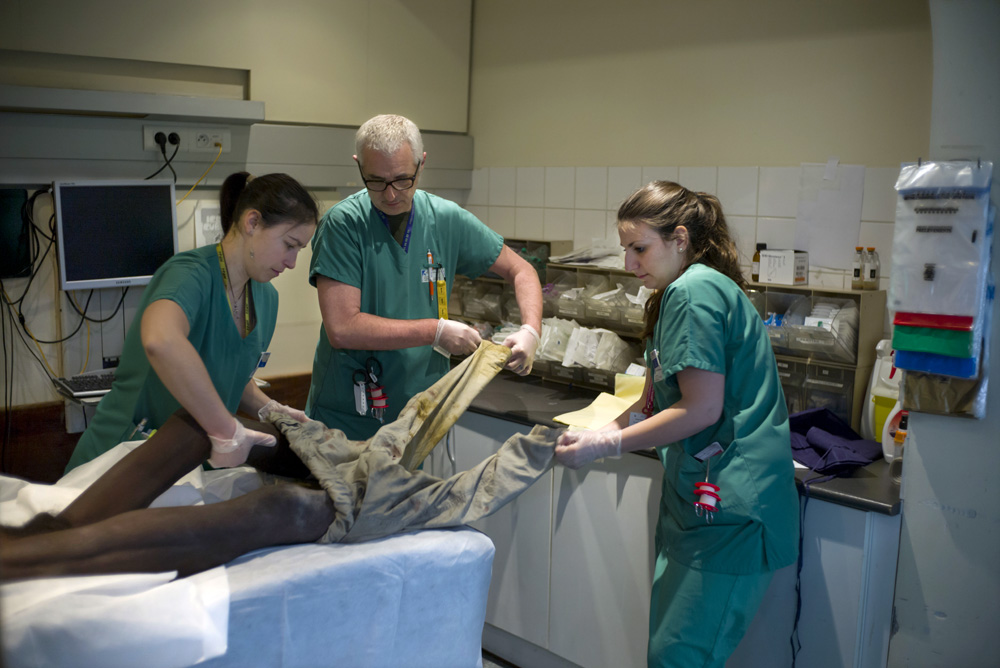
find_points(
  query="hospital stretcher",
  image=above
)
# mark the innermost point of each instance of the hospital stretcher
(413, 599)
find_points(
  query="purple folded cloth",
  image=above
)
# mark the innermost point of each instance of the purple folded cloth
(826, 444)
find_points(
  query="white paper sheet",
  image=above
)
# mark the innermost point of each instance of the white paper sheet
(829, 212)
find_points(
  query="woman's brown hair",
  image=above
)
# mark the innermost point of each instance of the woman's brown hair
(663, 205)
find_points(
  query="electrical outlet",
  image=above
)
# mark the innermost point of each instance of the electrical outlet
(149, 134)
(193, 140)
(209, 140)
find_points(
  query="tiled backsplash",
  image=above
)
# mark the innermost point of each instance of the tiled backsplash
(580, 203)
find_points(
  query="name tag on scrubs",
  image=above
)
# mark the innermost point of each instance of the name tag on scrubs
(264, 357)
(635, 418)
(432, 275)
(657, 370)
(709, 452)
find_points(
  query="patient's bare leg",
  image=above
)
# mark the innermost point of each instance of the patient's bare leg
(176, 448)
(187, 539)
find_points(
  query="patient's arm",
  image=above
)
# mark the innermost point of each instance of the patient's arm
(176, 448)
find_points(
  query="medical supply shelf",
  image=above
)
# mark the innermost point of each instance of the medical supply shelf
(819, 367)
(492, 300)
(815, 369)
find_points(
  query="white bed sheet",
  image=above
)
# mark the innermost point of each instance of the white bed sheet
(416, 599)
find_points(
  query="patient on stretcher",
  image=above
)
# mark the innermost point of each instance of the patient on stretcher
(352, 490)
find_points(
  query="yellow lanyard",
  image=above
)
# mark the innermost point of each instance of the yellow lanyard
(225, 283)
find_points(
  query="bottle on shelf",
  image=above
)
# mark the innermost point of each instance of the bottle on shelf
(872, 269)
(755, 270)
(858, 267)
(898, 445)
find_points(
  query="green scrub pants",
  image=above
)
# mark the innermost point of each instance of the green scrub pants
(697, 618)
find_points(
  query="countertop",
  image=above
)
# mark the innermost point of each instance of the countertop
(532, 400)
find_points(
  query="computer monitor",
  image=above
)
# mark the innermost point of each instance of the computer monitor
(113, 234)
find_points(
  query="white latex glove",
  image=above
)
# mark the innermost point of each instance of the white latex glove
(276, 407)
(455, 338)
(578, 448)
(523, 343)
(228, 452)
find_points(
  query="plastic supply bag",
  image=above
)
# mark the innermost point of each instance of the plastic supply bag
(554, 339)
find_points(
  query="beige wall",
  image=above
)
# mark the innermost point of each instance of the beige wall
(719, 82)
(333, 62)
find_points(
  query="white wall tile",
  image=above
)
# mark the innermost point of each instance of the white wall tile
(660, 174)
(744, 231)
(502, 180)
(531, 186)
(880, 236)
(480, 212)
(738, 190)
(612, 240)
(529, 223)
(779, 192)
(622, 182)
(456, 195)
(700, 179)
(558, 224)
(777, 233)
(879, 200)
(559, 187)
(611, 227)
(591, 188)
(502, 221)
(479, 195)
(588, 225)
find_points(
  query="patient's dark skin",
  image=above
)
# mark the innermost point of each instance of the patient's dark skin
(109, 528)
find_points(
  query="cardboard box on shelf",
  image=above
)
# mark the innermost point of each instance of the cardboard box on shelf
(785, 267)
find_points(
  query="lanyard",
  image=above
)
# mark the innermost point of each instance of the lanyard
(409, 226)
(225, 285)
(648, 408)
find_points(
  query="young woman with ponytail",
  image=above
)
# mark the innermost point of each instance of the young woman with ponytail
(714, 411)
(203, 323)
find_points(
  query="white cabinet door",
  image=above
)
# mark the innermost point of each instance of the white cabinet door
(602, 560)
(519, 592)
(848, 578)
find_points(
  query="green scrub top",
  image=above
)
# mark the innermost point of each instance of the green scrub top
(707, 322)
(353, 245)
(192, 279)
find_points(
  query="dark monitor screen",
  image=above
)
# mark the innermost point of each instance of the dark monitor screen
(113, 233)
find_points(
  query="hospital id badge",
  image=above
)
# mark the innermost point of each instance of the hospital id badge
(635, 418)
(657, 369)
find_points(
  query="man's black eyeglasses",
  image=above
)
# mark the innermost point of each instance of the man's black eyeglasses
(377, 185)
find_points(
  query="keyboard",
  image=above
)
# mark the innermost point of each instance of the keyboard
(85, 384)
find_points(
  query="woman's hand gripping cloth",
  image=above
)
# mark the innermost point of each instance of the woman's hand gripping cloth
(374, 487)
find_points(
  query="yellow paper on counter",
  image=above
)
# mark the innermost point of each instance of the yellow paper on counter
(606, 407)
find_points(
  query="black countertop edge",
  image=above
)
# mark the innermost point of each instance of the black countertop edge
(869, 488)
(532, 400)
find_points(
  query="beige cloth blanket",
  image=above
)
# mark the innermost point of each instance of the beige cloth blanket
(374, 487)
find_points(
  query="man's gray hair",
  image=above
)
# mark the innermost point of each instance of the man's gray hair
(386, 134)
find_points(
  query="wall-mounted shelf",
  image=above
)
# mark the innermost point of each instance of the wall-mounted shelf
(32, 99)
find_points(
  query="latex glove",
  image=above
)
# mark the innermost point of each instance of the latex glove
(578, 448)
(455, 338)
(276, 407)
(523, 343)
(228, 452)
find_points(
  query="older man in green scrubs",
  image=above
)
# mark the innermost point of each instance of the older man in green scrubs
(371, 256)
